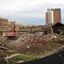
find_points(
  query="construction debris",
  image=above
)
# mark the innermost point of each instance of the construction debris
(36, 44)
(3, 48)
(2, 38)
(36, 41)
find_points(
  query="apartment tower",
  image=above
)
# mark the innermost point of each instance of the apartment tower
(53, 16)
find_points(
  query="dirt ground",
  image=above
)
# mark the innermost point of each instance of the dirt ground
(34, 44)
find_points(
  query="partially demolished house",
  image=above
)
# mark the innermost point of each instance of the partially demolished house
(57, 28)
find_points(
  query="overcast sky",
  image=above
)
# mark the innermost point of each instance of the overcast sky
(29, 11)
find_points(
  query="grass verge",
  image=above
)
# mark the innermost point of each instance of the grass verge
(24, 57)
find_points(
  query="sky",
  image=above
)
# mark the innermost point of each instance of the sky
(26, 12)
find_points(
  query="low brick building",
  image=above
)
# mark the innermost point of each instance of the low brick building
(31, 29)
(3, 25)
(57, 28)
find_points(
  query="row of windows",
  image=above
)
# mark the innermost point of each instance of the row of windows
(3, 28)
(2, 24)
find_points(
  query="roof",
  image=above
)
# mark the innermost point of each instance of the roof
(51, 25)
(58, 24)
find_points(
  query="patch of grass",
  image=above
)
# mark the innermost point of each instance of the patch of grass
(26, 57)
(59, 36)
(19, 35)
(11, 59)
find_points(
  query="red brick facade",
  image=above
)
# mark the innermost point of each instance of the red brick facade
(56, 17)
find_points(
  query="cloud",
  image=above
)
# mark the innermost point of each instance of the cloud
(11, 7)
(38, 11)
(56, 2)
(14, 9)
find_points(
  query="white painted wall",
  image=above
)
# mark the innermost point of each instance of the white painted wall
(50, 16)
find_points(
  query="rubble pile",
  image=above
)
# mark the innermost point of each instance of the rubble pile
(28, 40)
(2, 38)
(34, 40)
(2, 60)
